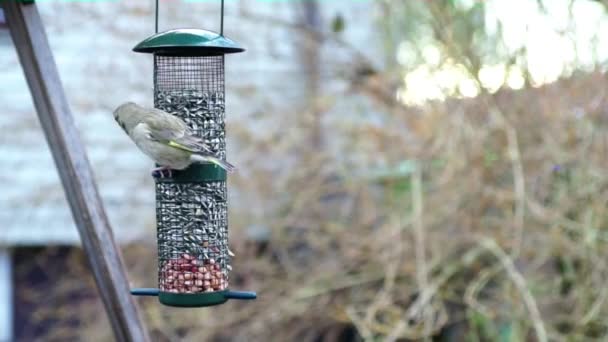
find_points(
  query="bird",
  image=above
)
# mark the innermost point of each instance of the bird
(165, 138)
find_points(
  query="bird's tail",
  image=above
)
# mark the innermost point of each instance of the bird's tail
(221, 163)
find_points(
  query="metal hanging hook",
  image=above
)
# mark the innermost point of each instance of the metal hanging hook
(221, 19)
(156, 18)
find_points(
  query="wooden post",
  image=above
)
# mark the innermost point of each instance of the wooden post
(68, 151)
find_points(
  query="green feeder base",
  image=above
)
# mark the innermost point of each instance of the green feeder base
(192, 300)
(195, 300)
(204, 172)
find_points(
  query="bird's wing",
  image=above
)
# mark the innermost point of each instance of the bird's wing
(173, 131)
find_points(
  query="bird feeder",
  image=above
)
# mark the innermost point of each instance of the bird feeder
(192, 204)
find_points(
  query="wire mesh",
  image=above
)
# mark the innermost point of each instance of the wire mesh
(193, 89)
(192, 222)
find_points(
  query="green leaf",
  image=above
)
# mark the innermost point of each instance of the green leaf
(338, 24)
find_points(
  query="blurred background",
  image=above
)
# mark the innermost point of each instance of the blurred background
(409, 170)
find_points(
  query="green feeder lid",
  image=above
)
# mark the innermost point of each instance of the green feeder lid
(188, 42)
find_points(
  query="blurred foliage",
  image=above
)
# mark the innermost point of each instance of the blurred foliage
(470, 35)
(338, 24)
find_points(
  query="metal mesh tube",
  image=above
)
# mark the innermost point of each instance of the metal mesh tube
(193, 89)
(192, 222)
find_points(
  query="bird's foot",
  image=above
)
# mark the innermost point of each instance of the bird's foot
(162, 172)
